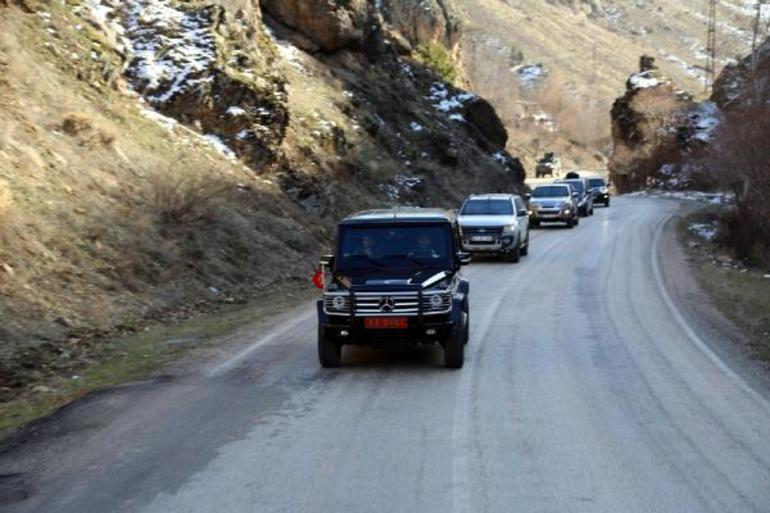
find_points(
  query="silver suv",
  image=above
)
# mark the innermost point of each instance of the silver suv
(554, 203)
(495, 224)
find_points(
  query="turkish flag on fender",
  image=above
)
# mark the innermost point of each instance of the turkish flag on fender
(318, 278)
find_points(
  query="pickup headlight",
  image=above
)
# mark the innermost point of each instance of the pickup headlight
(511, 228)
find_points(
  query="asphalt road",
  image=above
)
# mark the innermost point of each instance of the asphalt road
(586, 389)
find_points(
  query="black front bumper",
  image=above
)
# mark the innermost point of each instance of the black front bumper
(430, 330)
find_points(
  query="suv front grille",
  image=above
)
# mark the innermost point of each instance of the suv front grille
(379, 304)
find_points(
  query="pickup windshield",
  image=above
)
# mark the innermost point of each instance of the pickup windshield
(489, 207)
(551, 191)
(395, 247)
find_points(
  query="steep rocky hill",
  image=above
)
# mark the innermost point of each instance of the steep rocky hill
(552, 69)
(160, 156)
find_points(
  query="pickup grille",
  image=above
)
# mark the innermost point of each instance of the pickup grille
(482, 230)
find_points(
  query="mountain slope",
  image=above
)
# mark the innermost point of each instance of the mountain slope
(516, 50)
(160, 157)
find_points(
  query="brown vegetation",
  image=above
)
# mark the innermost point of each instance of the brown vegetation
(740, 163)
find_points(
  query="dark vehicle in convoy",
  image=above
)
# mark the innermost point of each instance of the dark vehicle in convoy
(585, 198)
(549, 165)
(495, 224)
(554, 203)
(395, 278)
(600, 190)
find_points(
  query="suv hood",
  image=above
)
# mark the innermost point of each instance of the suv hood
(395, 279)
(486, 220)
(555, 199)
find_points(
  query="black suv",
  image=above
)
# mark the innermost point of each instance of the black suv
(395, 278)
(600, 190)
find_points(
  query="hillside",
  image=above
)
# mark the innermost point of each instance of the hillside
(159, 158)
(563, 62)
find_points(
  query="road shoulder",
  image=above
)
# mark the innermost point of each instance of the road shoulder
(683, 281)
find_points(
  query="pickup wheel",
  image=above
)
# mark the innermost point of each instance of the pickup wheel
(454, 349)
(329, 350)
(571, 223)
(515, 255)
(525, 248)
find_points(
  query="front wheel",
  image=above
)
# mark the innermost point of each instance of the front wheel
(454, 349)
(329, 350)
(571, 223)
(515, 255)
(607, 204)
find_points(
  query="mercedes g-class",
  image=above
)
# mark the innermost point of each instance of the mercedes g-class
(394, 278)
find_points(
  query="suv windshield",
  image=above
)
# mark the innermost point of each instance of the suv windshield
(395, 247)
(551, 191)
(596, 182)
(487, 207)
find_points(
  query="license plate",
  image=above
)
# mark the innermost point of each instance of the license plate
(483, 238)
(386, 323)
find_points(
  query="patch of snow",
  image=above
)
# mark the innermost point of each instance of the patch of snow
(172, 49)
(235, 111)
(164, 121)
(713, 198)
(529, 75)
(243, 134)
(447, 103)
(219, 144)
(643, 80)
(500, 158)
(706, 119)
(416, 127)
(706, 231)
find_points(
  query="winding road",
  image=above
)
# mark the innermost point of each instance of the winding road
(587, 388)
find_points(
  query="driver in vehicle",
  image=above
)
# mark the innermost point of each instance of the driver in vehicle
(425, 248)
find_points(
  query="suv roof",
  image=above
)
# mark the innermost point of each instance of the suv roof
(491, 196)
(402, 214)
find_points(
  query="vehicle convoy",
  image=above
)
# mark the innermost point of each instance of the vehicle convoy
(495, 224)
(600, 190)
(395, 278)
(549, 165)
(554, 203)
(585, 198)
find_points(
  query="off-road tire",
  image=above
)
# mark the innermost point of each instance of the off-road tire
(329, 351)
(454, 349)
(571, 224)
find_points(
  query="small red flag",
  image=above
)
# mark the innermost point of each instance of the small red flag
(318, 278)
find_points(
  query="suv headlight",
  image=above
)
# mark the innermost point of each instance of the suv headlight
(509, 228)
(337, 303)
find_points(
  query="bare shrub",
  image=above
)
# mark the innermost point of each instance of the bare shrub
(740, 163)
(181, 200)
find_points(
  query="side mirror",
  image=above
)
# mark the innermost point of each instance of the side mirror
(574, 194)
(521, 213)
(464, 258)
(327, 261)
(527, 196)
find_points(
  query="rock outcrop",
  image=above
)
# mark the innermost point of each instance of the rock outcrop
(650, 126)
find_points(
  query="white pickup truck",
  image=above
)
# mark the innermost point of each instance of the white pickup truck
(494, 224)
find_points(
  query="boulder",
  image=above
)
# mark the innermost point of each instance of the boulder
(483, 117)
(331, 24)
